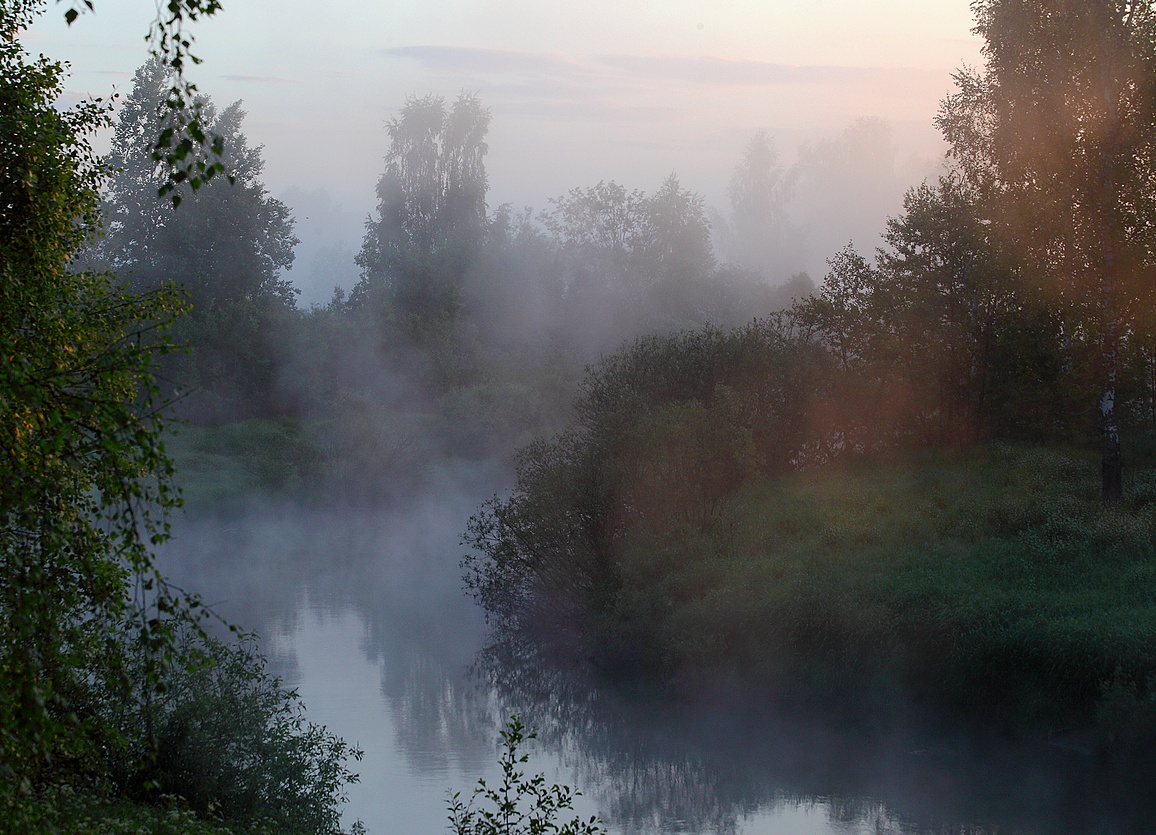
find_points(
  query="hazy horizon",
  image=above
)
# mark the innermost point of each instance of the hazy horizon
(608, 91)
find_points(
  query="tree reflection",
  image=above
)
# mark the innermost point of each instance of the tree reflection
(652, 760)
(723, 761)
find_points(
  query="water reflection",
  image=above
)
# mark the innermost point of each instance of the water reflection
(363, 611)
(724, 762)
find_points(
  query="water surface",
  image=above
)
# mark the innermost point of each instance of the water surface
(363, 611)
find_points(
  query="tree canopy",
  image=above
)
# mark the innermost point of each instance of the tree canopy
(1058, 136)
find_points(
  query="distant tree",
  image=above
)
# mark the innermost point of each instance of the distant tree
(515, 289)
(758, 236)
(598, 230)
(633, 262)
(675, 241)
(1060, 131)
(431, 212)
(225, 247)
(937, 331)
(625, 242)
(844, 316)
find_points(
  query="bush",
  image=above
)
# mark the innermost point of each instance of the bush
(666, 430)
(520, 806)
(234, 744)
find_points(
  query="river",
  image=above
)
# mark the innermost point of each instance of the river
(363, 612)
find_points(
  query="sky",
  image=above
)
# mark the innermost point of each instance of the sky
(628, 90)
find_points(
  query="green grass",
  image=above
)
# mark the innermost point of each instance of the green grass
(217, 464)
(362, 455)
(989, 580)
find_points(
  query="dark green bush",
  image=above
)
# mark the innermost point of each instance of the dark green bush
(234, 744)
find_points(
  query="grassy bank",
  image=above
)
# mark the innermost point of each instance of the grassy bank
(993, 581)
(361, 454)
(360, 457)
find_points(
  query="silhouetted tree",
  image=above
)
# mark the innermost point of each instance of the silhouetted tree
(431, 212)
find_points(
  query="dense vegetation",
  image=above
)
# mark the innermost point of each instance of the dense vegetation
(111, 691)
(889, 482)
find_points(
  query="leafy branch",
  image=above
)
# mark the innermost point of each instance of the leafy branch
(189, 153)
(520, 805)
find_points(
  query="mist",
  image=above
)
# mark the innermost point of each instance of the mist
(677, 380)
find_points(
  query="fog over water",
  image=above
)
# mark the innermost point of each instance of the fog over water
(357, 593)
(363, 611)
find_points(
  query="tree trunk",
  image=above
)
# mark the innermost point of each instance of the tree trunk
(1112, 460)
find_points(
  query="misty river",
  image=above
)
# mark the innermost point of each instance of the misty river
(363, 612)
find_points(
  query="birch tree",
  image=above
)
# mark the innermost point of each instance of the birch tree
(1059, 133)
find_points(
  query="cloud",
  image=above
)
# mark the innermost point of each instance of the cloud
(709, 70)
(496, 61)
(261, 79)
(742, 72)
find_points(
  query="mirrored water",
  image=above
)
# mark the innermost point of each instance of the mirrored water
(363, 612)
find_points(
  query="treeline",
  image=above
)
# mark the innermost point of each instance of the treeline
(484, 317)
(1009, 303)
(939, 343)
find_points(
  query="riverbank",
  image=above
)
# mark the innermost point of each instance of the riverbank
(993, 583)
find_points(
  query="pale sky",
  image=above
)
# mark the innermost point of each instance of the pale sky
(628, 90)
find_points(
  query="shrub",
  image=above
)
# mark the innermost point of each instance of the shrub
(234, 743)
(520, 805)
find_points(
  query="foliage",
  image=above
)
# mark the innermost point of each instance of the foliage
(619, 241)
(99, 655)
(519, 806)
(1057, 136)
(182, 143)
(938, 332)
(84, 480)
(63, 808)
(234, 744)
(225, 248)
